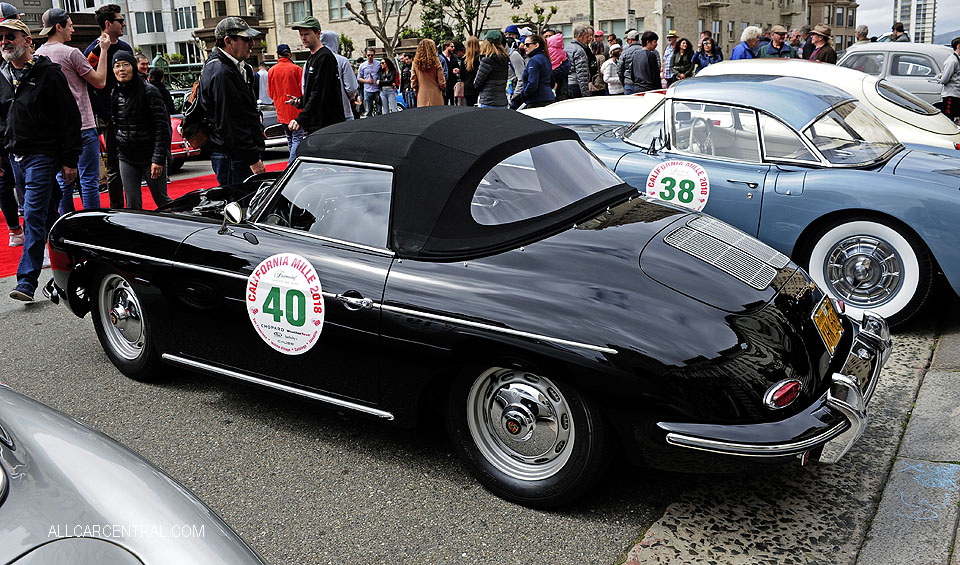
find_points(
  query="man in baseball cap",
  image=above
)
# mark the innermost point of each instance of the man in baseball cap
(778, 46)
(233, 26)
(45, 142)
(8, 10)
(228, 94)
(321, 104)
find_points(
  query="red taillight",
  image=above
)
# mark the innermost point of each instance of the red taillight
(957, 145)
(59, 261)
(782, 394)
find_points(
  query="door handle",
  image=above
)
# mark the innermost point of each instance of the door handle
(750, 184)
(355, 303)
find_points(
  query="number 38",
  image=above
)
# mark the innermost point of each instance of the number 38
(685, 194)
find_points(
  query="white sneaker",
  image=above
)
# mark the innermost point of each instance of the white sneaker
(46, 258)
(16, 239)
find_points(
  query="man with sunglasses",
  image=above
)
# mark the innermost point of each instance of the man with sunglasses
(228, 92)
(41, 143)
(778, 48)
(112, 25)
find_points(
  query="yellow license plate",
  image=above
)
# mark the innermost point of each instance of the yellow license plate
(828, 323)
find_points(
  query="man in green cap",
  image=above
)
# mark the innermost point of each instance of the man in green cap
(321, 103)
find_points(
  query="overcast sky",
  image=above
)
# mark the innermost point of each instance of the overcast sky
(878, 16)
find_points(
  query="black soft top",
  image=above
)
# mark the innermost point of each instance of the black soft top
(439, 155)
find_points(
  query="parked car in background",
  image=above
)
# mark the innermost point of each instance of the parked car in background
(521, 295)
(914, 67)
(70, 494)
(912, 120)
(813, 173)
(272, 131)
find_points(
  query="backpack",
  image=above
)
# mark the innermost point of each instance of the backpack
(195, 125)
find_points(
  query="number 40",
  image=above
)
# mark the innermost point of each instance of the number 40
(296, 306)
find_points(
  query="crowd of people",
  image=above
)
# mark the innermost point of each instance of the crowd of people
(107, 90)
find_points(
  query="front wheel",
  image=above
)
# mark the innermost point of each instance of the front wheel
(525, 437)
(122, 327)
(873, 266)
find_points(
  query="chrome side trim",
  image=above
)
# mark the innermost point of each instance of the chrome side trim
(168, 262)
(497, 329)
(277, 386)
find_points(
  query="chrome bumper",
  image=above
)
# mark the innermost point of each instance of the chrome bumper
(850, 391)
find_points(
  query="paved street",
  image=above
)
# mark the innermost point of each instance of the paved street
(304, 483)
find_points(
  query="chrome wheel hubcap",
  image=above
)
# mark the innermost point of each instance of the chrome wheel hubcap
(520, 422)
(864, 271)
(121, 317)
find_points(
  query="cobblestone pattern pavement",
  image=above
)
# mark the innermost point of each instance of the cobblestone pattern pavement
(813, 514)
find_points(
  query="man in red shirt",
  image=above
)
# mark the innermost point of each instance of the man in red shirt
(284, 83)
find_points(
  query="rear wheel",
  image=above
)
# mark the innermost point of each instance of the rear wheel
(872, 265)
(527, 438)
(122, 327)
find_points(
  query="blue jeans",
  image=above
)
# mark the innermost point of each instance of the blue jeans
(388, 99)
(489, 106)
(409, 99)
(630, 89)
(370, 102)
(229, 171)
(293, 141)
(89, 177)
(38, 175)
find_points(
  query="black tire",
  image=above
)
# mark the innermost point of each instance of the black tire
(872, 264)
(565, 448)
(122, 327)
(177, 164)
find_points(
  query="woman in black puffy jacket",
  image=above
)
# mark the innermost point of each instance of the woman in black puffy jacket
(491, 79)
(143, 132)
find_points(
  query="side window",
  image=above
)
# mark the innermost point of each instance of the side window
(649, 128)
(337, 201)
(870, 63)
(780, 142)
(913, 66)
(715, 130)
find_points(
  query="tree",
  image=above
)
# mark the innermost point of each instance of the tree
(538, 22)
(431, 20)
(470, 15)
(385, 18)
(346, 46)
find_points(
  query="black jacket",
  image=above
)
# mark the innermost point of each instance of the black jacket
(40, 117)
(230, 103)
(142, 122)
(386, 78)
(322, 103)
(491, 80)
(167, 97)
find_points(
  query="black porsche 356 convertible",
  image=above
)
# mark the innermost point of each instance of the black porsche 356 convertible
(485, 268)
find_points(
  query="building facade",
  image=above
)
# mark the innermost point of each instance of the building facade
(153, 26)
(918, 17)
(840, 15)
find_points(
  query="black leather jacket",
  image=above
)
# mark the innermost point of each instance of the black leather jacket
(142, 122)
(231, 106)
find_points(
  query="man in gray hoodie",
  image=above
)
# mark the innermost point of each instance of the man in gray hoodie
(348, 80)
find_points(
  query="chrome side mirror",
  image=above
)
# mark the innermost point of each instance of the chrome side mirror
(232, 213)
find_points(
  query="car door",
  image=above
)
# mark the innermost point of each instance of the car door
(294, 295)
(710, 162)
(916, 73)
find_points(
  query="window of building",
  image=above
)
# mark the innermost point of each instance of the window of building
(616, 27)
(743, 26)
(187, 17)
(293, 12)
(219, 8)
(669, 24)
(826, 14)
(145, 22)
(716, 28)
(730, 30)
(701, 24)
(207, 12)
(851, 16)
(338, 10)
(158, 18)
(190, 52)
(839, 19)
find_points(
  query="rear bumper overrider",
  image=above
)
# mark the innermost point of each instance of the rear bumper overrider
(834, 422)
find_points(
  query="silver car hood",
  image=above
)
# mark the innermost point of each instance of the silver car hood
(66, 480)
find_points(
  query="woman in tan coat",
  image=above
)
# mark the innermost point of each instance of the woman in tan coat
(427, 78)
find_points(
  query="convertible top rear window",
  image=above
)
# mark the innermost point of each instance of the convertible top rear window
(537, 181)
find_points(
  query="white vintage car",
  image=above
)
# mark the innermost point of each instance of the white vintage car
(912, 120)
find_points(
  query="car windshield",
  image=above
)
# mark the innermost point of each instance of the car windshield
(850, 135)
(904, 99)
(539, 180)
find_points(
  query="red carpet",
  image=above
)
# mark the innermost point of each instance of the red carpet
(10, 256)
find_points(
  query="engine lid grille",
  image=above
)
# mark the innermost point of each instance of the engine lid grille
(729, 249)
